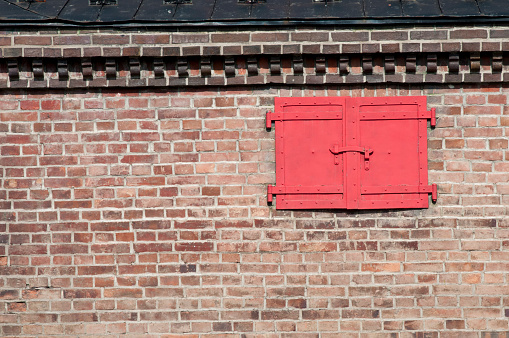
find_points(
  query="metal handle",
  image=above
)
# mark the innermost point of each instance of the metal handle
(336, 150)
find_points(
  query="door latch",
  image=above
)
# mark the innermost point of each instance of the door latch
(336, 150)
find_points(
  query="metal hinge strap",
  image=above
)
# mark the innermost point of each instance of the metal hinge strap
(388, 115)
(302, 190)
(402, 189)
(270, 116)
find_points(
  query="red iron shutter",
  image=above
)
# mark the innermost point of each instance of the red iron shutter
(308, 175)
(353, 153)
(396, 129)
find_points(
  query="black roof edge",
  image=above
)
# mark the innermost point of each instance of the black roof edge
(465, 20)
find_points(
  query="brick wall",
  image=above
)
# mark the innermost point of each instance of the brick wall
(143, 212)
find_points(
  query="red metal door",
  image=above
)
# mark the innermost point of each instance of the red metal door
(309, 160)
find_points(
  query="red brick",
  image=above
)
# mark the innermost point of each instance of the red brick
(17, 307)
(21, 117)
(29, 105)
(9, 294)
(50, 105)
(382, 267)
(95, 270)
(194, 246)
(317, 247)
(476, 110)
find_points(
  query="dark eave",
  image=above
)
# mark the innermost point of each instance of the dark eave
(232, 13)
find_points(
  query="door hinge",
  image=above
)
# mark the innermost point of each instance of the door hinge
(269, 193)
(268, 120)
(433, 117)
(431, 189)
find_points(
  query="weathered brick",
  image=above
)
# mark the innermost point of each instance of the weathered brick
(310, 36)
(151, 39)
(389, 35)
(110, 39)
(229, 38)
(72, 40)
(350, 36)
(429, 35)
(190, 38)
(468, 34)
(32, 40)
(270, 37)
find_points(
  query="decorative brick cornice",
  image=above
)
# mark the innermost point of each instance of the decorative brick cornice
(109, 58)
(470, 67)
